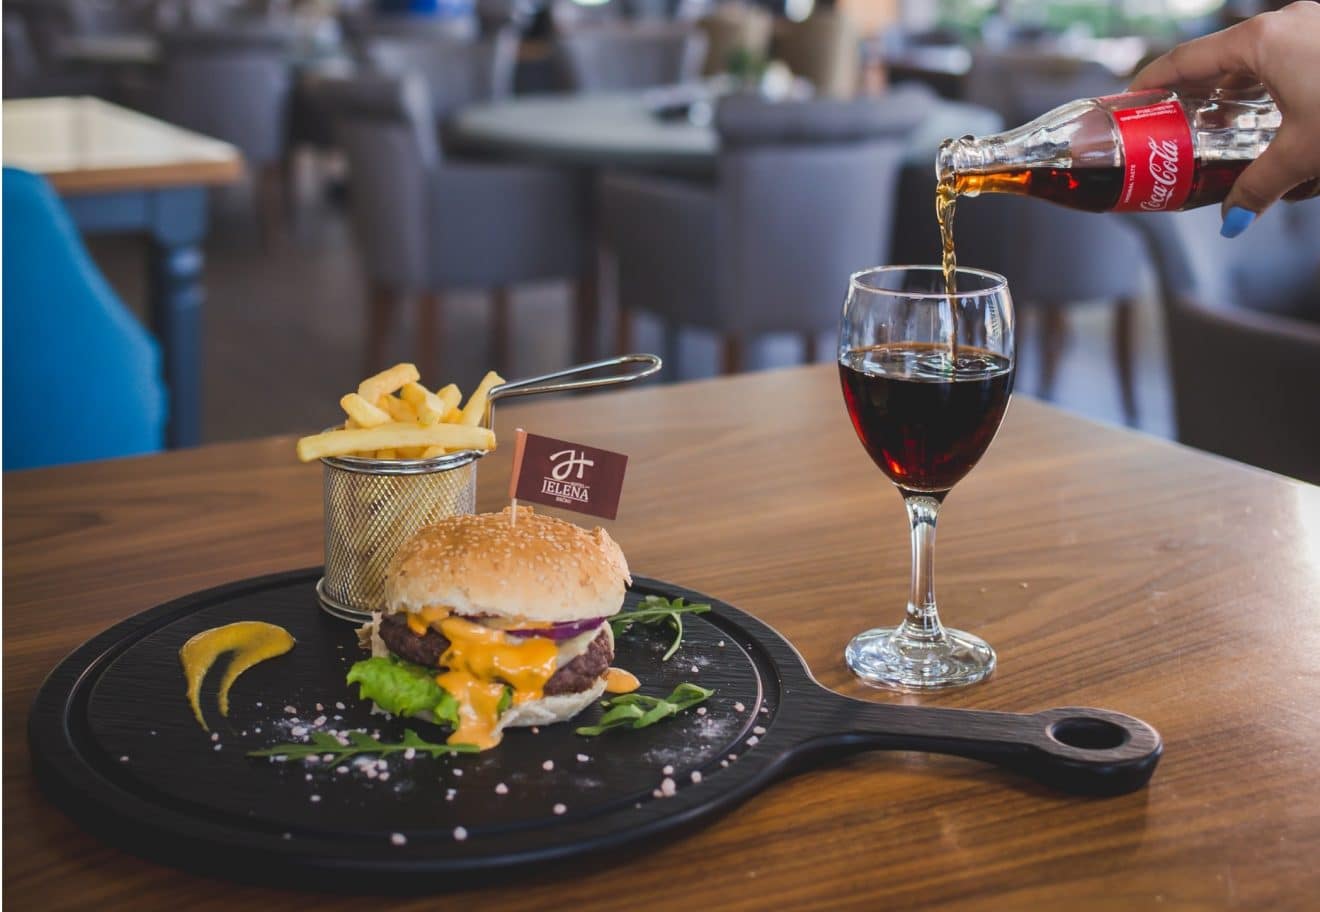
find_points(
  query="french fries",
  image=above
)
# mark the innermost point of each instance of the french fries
(475, 410)
(362, 413)
(392, 437)
(388, 381)
(393, 416)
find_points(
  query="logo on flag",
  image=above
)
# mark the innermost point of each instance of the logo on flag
(558, 473)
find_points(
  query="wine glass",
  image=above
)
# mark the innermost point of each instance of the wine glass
(927, 377)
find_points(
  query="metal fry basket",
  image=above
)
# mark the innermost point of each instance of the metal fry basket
(373, 505)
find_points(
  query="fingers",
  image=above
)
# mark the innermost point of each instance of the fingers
(1267, 178)
(1205, 61)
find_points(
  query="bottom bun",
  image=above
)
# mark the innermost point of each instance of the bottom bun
(549, 710)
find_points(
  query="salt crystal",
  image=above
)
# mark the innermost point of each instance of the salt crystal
(311, 759)
(298, 731)
(759, 730)
(410, 753)
(582, 758)
(696, 776)
(290, 710)
(668, 770)
(398, 839)
(667, 787)
(536, 730)
(258, 704)
(738, 707)
(655, 793)
(319, 721)
(721, 644)
(701, 710)
(753, 741)
(384, 777)
(501, 789)
(319, 707)
(315, 798)
(733, 757)
(341, 769)
(1023, 585)
(328, 758)
(308, 777)
(560, 809)
(215, 736)
(695, 670)
(450, 793)
(458, 772)
(460, 834)
(548, 765)
(337, 705)
(724, 763)
(217, 747)
(124, 759)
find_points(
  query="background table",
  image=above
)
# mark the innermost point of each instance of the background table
(118, 170)
(1107, 568)
(619, 130)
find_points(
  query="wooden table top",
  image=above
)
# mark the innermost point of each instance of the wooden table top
(86, 145)
(1108, 569)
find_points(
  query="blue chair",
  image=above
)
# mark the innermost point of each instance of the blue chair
(82, 376)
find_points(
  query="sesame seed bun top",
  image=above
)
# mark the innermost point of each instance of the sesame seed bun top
(539, 569)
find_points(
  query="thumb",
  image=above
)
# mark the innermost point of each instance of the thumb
(1281, 167)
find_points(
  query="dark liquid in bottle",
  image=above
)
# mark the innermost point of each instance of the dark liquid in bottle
(924, 421)
(1098, 189)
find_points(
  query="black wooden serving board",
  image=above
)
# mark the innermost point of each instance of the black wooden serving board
(114, 744)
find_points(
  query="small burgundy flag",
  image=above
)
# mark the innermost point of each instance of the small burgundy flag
(571, 476)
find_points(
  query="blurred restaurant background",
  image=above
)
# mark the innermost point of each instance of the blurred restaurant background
(221, 214)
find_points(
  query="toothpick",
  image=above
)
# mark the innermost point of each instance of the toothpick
(513, 513)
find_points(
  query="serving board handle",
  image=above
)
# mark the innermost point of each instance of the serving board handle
(1081, 750)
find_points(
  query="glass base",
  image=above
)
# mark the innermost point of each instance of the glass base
(882, 659)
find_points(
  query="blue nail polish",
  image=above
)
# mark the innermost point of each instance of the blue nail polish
(1237, 221)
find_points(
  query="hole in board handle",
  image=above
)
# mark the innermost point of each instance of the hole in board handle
(1089, 734)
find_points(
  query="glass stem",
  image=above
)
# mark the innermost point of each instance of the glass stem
(923, 618)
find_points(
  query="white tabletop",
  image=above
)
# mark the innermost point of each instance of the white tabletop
(619, 130)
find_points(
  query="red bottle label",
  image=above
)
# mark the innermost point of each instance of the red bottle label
(1158, 157)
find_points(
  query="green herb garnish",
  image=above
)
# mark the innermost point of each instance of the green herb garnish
(636, 710)
(655, 610)
(359, 743)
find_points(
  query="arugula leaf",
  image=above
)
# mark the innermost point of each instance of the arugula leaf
(655, 610)
(403, 688)
(636, 710)
(359, 742)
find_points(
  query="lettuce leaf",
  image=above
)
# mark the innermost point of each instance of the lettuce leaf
(403, 688)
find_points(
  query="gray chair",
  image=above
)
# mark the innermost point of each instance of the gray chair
(456, 73)
(235, 84)
(427, 224)
(630, 56)
(568, 15)
(1053, 257)
(803, 198)
(362, 27)
(1242, 318)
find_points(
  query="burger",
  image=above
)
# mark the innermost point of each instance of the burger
(494, 621)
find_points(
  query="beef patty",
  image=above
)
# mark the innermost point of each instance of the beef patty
(574, 677)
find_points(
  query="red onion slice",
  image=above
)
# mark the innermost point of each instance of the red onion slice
(564, 630)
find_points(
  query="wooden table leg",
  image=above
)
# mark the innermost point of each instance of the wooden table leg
(587, 316)
(174, 221)
(175, 306)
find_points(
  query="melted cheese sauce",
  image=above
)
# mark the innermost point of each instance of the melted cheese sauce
(618, 681)
(479, 662)
(250, 641)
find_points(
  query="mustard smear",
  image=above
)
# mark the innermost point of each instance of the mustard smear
(250, 641)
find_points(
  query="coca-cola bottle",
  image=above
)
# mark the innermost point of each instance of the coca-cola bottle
(1146, 151)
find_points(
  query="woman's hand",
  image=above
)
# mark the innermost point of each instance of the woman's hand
(1280, 50)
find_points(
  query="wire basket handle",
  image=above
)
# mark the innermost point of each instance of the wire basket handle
(560, 381)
